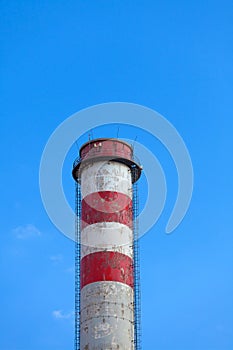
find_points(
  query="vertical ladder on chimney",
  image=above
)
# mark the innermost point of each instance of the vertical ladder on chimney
(77, 265)
(136, 263)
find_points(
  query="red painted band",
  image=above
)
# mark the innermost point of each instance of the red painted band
(108, 201)
(106, 266)
(106, 147)
(106, 206)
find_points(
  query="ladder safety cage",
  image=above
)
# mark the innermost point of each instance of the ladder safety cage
(77, 264)
(136, 268)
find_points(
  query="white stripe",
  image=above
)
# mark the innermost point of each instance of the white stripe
(107, 333)
(106, 176)
(92, 295)
(107, 316)
(107, 236)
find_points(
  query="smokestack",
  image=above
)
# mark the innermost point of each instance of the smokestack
(107, 310)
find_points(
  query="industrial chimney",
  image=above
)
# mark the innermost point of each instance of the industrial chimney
(107, 287)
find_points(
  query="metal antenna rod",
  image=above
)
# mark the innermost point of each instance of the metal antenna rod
(118, 132)
(76, 142)
(134, 142)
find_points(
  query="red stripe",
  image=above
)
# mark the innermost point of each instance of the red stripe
(106, 206)
(106, 266)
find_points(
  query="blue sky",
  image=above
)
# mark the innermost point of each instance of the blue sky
(58, 57)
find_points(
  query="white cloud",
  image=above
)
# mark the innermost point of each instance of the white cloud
(70, 270)
(26, 231)
(56, 258)
(59, 314)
